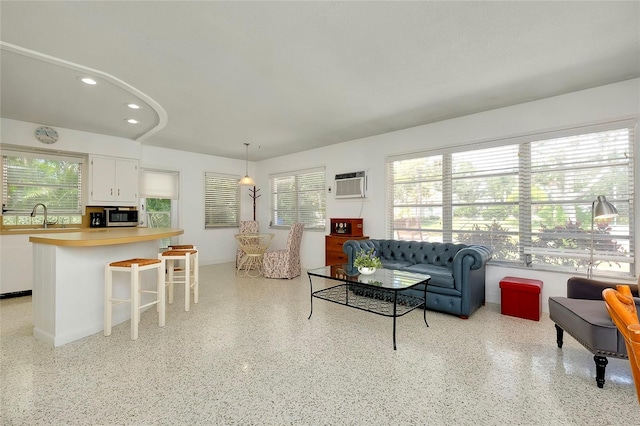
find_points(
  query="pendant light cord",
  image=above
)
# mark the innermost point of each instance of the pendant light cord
(246, 160)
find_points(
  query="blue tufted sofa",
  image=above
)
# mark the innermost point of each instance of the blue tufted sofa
(457, 284)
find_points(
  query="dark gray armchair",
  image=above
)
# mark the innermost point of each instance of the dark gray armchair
(584, 316)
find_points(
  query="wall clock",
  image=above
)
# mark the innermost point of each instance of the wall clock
(46, 134)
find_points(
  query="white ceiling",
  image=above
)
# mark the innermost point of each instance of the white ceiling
(291, 76)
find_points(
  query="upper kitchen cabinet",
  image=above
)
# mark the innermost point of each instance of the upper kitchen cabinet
(112, 181)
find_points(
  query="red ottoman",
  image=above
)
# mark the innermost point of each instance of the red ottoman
(521, 297)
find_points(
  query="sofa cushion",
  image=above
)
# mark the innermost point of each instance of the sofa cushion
(394, 264)
(441, 276)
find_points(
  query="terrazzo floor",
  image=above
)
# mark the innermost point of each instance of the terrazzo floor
(248, 355)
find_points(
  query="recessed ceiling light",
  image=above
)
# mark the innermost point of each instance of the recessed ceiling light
(132, 121)
(88, 80)
(134, 106)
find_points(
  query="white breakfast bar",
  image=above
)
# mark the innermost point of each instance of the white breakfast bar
(68, 278)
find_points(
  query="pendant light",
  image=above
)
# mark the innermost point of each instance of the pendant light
(246, 180)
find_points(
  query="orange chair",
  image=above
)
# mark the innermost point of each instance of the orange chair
(622, 309)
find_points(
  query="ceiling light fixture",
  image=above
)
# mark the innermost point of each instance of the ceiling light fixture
(133, 106)
(246, 180)
(88, 80)
(132, 121)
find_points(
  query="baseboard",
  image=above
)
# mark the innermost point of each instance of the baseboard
(15, 294)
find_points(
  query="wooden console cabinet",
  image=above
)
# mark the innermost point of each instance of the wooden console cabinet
(333, 248)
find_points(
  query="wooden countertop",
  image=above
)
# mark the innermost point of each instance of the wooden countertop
(105, 236)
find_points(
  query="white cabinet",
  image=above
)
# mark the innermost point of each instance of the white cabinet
(112, 181)
(16, 273)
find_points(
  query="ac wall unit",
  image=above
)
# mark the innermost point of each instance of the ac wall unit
(351, 185)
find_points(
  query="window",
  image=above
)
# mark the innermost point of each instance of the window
(221, 200)
(298, 197)
(529, 200)
(158, 198)
(32, 178)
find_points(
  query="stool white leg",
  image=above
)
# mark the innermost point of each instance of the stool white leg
(170, 265)
(160, 295)
(187, 282)
(135, 300)
(196, 278)
(107, 300)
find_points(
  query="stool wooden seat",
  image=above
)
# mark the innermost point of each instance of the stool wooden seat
(182, 247)
(187, 274)
(134, 267)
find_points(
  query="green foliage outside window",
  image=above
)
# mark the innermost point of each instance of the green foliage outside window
(529, 201)
(29, 180)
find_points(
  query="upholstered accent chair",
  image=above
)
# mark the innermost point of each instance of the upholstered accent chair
(622, 308)
(584, 316)
(246, 227)
(285, 263)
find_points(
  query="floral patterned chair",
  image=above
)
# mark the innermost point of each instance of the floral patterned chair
(246, 227)
(285, 263)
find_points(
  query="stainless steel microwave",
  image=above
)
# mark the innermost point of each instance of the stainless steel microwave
(118, 217)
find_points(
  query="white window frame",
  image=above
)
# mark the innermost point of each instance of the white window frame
(60, 216)
(160, 184)
(319, 222)
(526, 256)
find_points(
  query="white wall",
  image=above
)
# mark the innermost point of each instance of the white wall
(611, 102)
(20, 133)
(16, 272)
(605, 103)
(214, 245)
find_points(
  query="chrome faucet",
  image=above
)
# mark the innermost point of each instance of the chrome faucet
(46, 221)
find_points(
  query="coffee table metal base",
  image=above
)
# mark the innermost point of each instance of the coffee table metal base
(389, 303)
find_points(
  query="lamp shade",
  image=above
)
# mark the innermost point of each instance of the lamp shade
(246, 181)
(603, 209)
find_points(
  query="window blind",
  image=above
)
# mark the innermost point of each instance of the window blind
(159, 184)
(30, 179)
(567, 175)
(222, 200)
(485, 199)
(298, 197)
(417, 194)
(527, 198)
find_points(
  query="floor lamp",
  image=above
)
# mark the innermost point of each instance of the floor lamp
(600, 209)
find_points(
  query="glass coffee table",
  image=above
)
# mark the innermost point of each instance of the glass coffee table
(379, 293)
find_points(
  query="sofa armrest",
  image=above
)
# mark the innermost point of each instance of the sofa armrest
(585, 288)
(469, 258)
(480, 254)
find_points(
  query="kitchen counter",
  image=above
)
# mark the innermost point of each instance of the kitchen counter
(68, 278)
(104, 236)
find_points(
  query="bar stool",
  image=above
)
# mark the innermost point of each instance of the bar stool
(187, 274)
(177, 268)
(183, 247)
(134, 267)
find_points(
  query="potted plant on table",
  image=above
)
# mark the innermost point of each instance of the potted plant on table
(367, 262)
